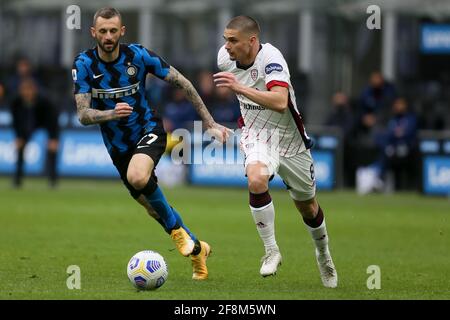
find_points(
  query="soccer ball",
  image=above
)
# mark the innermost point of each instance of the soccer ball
(147, 270)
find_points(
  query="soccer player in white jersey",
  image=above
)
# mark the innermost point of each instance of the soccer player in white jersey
(273, 139)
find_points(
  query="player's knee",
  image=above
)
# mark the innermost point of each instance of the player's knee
(137, 180)
(257, 183)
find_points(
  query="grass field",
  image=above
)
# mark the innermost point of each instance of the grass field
(97, 226)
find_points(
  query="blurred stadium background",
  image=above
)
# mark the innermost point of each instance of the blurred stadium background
(347, 78)
(377, 103)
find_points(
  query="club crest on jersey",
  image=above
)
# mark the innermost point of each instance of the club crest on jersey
(131, 71)
(273, 67)
(254, 74)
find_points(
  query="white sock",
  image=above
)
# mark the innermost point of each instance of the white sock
(320, 237)
(264, 218)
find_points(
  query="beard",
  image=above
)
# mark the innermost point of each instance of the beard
(108, 50)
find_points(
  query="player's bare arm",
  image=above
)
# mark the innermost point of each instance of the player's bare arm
(177, 79)
(276, 99)
(89, 116)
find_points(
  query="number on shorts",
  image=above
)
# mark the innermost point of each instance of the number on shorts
(152, 138)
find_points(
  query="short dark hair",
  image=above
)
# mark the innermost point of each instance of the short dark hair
(244, 23)
(106, 13)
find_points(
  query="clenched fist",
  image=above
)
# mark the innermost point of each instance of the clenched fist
(122, 110)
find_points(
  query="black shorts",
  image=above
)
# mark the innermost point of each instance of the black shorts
(152, 144)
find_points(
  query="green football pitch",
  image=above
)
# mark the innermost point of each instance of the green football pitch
(97, 226)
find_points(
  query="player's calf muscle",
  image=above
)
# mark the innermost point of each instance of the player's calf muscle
(308, 208)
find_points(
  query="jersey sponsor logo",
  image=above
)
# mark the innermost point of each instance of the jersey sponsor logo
(248, 106)
(254, 74)
(115, 93)
(273, 67)
(74, 74)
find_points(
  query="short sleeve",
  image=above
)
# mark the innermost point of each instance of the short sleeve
(154, 64)
(80, 77)
(276, 70)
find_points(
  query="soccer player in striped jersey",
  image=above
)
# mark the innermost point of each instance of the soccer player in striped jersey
(109, 83)
(273, 139)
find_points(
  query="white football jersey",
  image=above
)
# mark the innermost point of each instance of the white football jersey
(269, 69)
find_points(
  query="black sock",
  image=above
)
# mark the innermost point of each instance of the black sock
(316, 221)
(19, 167)
(197, 248)
(259, 200)
(52, 175)
(163, 225)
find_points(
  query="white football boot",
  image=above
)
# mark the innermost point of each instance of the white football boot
(270, 262)
(327, 269)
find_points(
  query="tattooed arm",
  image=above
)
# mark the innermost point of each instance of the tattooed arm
(88, 116)
(177, 79)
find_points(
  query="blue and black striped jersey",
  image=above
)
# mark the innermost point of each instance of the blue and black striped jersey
(122, 80)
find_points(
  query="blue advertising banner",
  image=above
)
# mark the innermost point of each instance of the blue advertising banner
(435, 38)
(81, 154)
(324, 169)
(436, 175)
(84, 154)
(223, 174)
(35, 152)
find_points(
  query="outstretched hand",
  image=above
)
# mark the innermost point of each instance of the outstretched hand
(227, 80)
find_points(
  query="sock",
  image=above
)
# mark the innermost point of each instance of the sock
(19, 167)
(318, 230)
(52, 174)
(180, 223)
(161, 222)
(169, 218)
(160, 205)
(263, 212)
